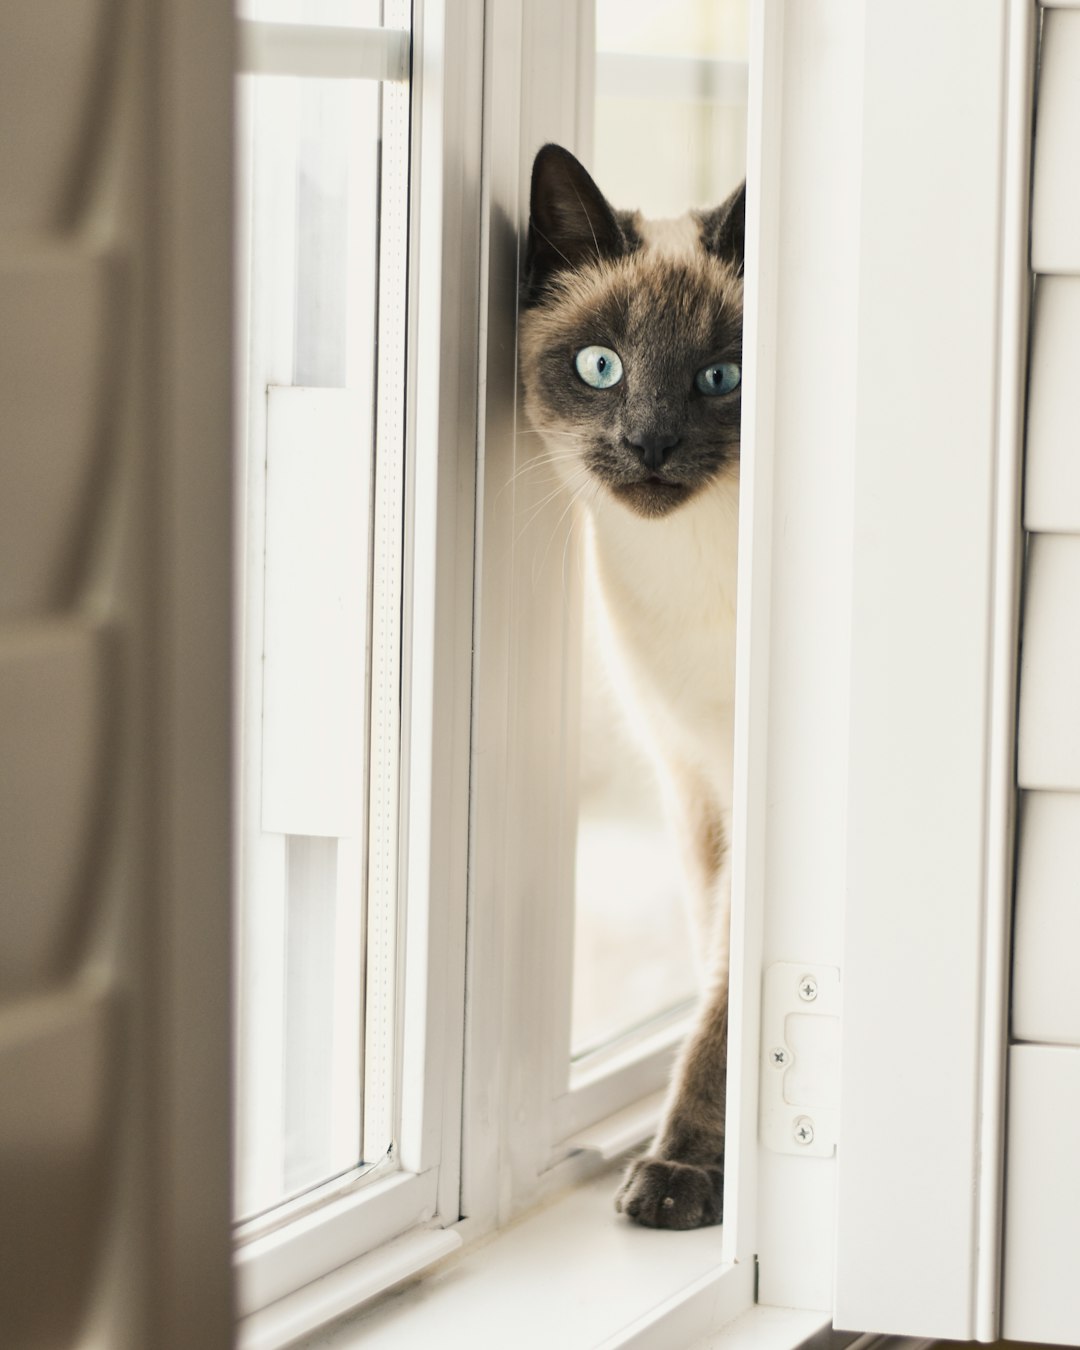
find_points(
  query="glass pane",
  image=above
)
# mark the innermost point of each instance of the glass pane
(311, 183)
(662, 147)
(337, 13)
(676, 137)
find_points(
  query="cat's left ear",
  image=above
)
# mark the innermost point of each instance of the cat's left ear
(723, 230)
(570, 223)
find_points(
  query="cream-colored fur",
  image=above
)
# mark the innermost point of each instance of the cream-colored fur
(668, 588)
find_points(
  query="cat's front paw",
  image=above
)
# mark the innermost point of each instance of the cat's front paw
(662, 1194)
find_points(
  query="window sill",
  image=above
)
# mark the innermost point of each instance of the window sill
(572, 1274)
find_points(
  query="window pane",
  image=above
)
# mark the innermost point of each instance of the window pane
(313, 570)
(670, 132)
(338, 13)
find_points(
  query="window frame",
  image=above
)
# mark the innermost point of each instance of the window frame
(280, 1256)
(527, 684)
(798, 526)
(463, 272)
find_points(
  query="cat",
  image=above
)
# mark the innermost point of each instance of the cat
(630, 341)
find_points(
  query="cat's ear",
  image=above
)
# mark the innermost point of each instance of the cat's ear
(723, 230)
(570, 223)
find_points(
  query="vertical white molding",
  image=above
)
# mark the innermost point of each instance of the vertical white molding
(763, 157)
(936, 430)
(523, 788)
(789, 852)
(437, 620)
(1001, 799)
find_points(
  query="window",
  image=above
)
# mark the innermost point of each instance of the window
(358, 571)
(885, 367)
(664, 80)
(496, 1098)
(344, 1044)
(356, 809)
(314, 1083)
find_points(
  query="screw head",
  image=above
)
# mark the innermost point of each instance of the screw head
(808, 989)
(779, 1057)
(804, 1130)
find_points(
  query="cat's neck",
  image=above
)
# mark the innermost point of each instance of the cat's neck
(697, 544)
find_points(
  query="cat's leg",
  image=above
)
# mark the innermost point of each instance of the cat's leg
(679, 1183)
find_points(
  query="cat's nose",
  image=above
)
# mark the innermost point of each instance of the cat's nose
(653, 447)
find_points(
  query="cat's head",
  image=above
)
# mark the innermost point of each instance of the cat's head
(631, 339)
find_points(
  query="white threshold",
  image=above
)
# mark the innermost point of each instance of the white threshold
(573, 1274)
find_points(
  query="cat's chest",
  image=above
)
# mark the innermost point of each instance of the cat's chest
(669, 589)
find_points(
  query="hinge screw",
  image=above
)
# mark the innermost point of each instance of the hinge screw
(808, 989)
(804, 1130)
(779, 1057)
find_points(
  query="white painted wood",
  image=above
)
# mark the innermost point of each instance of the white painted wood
(575, 1276)
(602, 1083)
(386, 831)
(768, 1329)
(1046, 991)
(924, 593)
(524, 753)
(58, 703)
(1052, 474)
(345, 1289)
(622, 1130)
(328, 1234)
(317, 570)
(437, 620)
(1049, 732)
(1008, 551)
(50, 88)
(1042, 1218)
(58, 1147)
(789, 847)
(1055, 208)
(60, 332)
(749, 843)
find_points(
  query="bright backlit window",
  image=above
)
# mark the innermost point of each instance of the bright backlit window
(324, 165)
(670, 133)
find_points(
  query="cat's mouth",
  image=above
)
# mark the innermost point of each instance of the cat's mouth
(651, 495)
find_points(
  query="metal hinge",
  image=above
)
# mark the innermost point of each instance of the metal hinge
(800, 1059)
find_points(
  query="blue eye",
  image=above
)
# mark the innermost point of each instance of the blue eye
(598, 366)
(719, 379)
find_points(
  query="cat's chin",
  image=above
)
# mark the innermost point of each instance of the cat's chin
(651, 497)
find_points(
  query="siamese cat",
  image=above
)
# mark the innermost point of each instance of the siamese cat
(631, 361)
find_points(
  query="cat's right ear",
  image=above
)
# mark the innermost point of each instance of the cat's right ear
(723, 230)
(570, 223)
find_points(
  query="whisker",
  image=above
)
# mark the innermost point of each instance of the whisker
(574, 498)
(538, 507)
(546, 240)
(536, 483)
(533, 466)
(588, 218)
